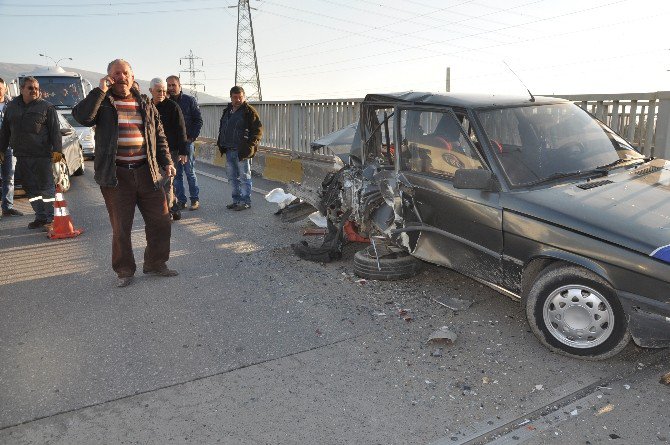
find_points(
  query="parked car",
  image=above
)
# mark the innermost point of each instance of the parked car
(86, 135)
(531, 196)
(73, 157)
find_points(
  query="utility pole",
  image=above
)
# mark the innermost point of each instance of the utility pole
(246, 64)
(448, 79)
(192, 72)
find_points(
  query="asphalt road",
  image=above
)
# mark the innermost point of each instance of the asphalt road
(251, 345)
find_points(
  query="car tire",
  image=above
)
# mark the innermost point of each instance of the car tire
(62, 175)
(574, 312)
(390, 266)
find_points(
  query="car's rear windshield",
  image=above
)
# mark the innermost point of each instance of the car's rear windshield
(71, 120)
(534, 143)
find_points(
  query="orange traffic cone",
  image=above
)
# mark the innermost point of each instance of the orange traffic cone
(62, 224)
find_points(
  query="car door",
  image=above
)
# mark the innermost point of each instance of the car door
(71, 147)
(457, 228)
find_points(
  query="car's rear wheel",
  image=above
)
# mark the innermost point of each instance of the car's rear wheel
(574, 312)
(62, 175)
(385, 264)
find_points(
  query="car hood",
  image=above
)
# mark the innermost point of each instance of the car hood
(630, 207)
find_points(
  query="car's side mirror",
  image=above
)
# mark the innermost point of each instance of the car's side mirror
(475, 178)
(66, 131)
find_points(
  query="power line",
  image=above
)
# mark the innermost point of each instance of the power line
(116, 13)
(345, 61)
(606, 25)
(80, 5)
(376, 40)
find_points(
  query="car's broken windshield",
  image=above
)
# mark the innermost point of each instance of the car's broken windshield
(534, 143)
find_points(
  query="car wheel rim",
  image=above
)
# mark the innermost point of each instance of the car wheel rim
(578, 316)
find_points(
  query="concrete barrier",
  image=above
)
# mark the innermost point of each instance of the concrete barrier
(273, 164)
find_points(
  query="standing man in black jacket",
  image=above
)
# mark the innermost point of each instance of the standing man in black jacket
(193, 121)
(175, 132)
(240, 132)
(30, 125)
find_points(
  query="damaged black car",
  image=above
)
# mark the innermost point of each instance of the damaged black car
(531, 196)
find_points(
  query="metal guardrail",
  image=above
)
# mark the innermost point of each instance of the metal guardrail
(291, 125)
(641, 118)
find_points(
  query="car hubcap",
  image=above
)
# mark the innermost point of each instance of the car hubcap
(578, 316)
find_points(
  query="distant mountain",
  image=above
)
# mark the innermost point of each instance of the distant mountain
(8, 72)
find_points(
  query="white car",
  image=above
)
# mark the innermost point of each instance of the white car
(86, 135)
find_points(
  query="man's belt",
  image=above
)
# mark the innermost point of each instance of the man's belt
(132, 166)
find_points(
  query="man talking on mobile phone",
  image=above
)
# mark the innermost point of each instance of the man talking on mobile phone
(131, 157)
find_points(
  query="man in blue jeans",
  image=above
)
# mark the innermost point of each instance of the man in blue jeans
(8, 165)
(193, 121)
(240, 132)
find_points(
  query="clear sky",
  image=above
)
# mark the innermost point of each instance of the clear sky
(311, 49)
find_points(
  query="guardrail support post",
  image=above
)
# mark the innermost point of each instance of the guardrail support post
(662, 139)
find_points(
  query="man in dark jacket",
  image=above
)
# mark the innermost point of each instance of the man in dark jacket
(193, 121)
(240, 132)
(131, 153)
(30, 125)
(175, 132)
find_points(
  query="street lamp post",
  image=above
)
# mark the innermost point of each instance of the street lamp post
(56, 62)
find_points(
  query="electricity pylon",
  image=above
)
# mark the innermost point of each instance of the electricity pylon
(192, 71)
(246, 64)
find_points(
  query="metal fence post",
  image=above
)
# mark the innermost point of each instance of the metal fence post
(662, 138)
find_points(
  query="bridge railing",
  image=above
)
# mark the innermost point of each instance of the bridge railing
(641, 118)
(291, 125)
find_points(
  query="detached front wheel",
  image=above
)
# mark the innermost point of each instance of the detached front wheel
(385, 264)
(576, 313)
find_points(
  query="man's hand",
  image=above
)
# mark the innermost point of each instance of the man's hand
(183, 159)
(170, 171)
(105, 83)
(56, 157)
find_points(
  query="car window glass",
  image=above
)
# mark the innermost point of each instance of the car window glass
(539, 141)
(63, 123)
(71, 120)
(376, 122)
(436, 143)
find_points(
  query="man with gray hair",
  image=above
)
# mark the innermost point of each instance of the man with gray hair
(131, 153)
(8, 164)
(30, 125)
(175, 132)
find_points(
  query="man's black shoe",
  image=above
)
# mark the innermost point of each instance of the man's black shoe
(37, 224)
(231, 206)
(182, 205)
(242, 206)
(12, 212)
(176, 215)
(163, 272)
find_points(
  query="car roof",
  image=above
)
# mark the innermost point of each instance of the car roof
(463, 100)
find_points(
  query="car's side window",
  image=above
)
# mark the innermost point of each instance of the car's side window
(377, 134)
(436, 143)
